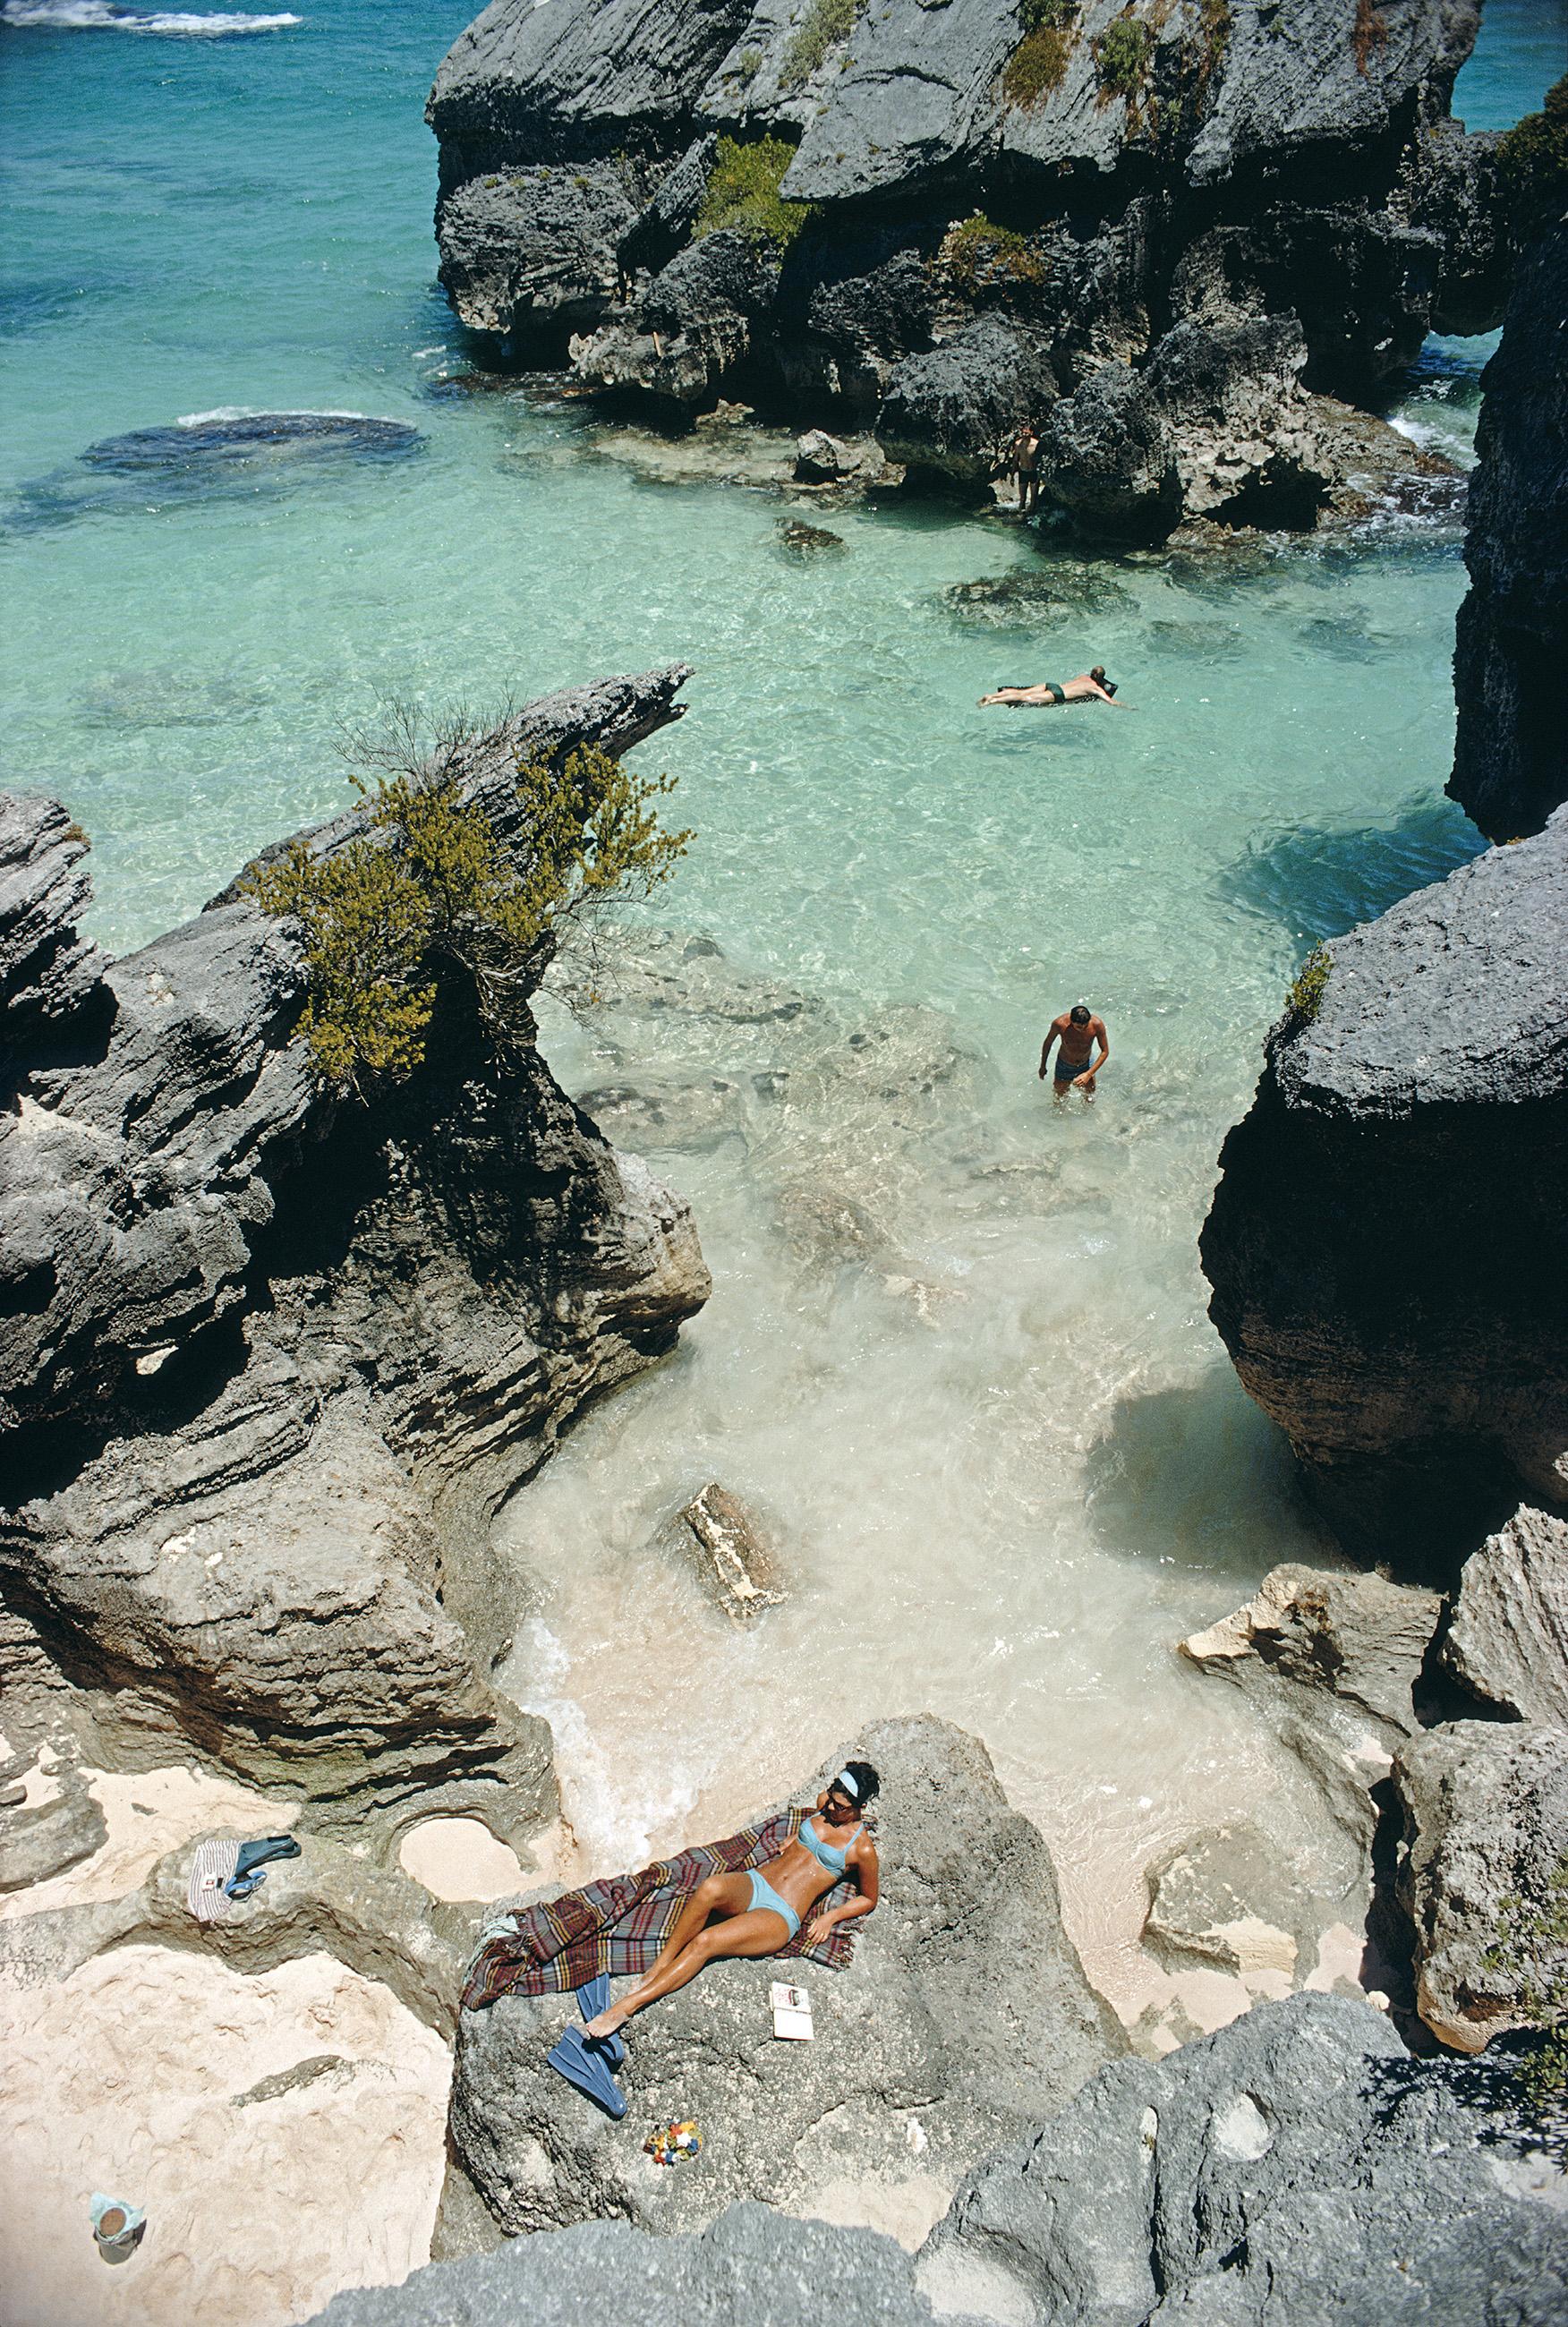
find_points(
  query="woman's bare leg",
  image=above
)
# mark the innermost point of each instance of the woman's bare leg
(758, 1932)
(719, 1895)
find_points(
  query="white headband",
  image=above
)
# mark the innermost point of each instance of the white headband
(847, 1783)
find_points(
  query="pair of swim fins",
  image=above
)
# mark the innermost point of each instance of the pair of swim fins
(588, 2063)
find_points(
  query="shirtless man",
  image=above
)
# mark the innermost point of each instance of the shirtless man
(1088, 686)
(1078, 1030)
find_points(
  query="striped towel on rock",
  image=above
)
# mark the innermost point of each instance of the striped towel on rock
(212, 1866)
(619, 1926)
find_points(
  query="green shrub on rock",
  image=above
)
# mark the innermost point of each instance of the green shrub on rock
(1039, 61)
(980, 250)
(1305, 998)
(1534, 161)
(428, 891)
(827, 22)
(742, 195)
(1122, 57)
(1532, 1949)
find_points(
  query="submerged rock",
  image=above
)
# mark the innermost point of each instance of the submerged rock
(252, 440)
(1511, 639)
(735, 1566)
(1486, 1847)
(1507, 1640)
(806, 540)
(268, 1364)
(1386, 1246)
(966, 2014)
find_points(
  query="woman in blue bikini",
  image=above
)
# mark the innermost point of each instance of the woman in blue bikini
(756, 1915)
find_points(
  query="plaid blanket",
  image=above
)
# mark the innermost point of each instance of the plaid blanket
(619, 1926)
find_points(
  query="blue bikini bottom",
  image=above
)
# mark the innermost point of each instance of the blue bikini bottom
(764, 1896)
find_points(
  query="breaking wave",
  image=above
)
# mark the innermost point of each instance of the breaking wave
(108, 16)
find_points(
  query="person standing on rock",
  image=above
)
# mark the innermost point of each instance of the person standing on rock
(1078, 1030)
(758, 1913)
(1088, 686)
(1026, 461)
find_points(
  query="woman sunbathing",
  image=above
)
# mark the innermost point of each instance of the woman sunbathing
(758, 1913)
(1088, 686)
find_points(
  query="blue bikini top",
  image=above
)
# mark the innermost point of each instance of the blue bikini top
(825, 1852)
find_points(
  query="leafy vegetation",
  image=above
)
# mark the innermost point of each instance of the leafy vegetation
(1534, 160)
(980, 250)
(1532, 1949)
(1039, 62)
(744, 195)
(1305, 997)
(827, 22)
(428, 892)
(1122, 57)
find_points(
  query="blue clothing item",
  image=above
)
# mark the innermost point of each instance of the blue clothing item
(258, 1853)
(764, 1895)
(826, 1854)
(1065, 1071)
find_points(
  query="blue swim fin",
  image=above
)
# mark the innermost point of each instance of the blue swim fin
(576, 2060)
(593, 1998)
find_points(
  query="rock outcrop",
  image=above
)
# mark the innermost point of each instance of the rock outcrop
(961, 216)
(1485, 1850)
(1511, 641)
(1387, 1248)
(1297, 2165)
(1358, 1640)
(965, 2014)
(269, 1364)
(1507, 1640)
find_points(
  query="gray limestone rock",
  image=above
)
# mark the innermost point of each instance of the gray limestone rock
(1356, 1639)
(55, 1833)
(734, 1566)
(536, 248)
(691, 327)
(1486, 1849)
(49, 974)
(269, 1364)
(1299, 2165)
(1421, 1377)
(751, 2263)
(965, 2012)
(823, 460)
(1510, 770)
(1507, 1641)
(953, 411)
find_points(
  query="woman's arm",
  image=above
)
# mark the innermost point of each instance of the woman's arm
(867, 1874)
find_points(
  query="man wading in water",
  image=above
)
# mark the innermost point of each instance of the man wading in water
(1078, 1030)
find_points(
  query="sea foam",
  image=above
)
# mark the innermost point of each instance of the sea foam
(108, 16)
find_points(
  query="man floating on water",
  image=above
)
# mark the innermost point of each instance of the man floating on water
(1088, 686)
(1078, 1030)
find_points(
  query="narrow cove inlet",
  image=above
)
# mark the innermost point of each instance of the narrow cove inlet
(956, 1361)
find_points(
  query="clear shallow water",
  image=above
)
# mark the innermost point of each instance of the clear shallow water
(1005, 1508)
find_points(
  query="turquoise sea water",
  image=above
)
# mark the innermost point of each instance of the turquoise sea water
(1007, 1515)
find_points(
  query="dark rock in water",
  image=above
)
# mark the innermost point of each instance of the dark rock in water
(689, 329)
(255, 439)
(966, 2011)
(1388, 1245)
(1486, 1838)
(1508, 1640)
(1029, 596)
(1248, 174)
(823, 460)
(1298, 2166)
(48, 973)
(268, 1364)
(1510, 769)
(803, 540)
(537, 248)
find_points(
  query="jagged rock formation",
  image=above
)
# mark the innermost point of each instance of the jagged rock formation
(1386, 1246)
(269, 1365)
(1299, 2164)
(965, 2012)
(1175, 232)
(1486, 1840)
(1511, 643)
(1507, 1641)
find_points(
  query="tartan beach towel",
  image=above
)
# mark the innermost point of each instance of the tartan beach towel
(619, 1925)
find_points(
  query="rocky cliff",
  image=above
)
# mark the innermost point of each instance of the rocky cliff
(1386, 1244)
(1510, 767)
(269, 1363)
(1170, 230)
